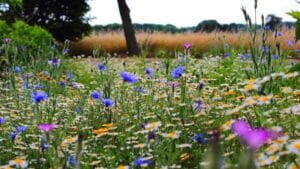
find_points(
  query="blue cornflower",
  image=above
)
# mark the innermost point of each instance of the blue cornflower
(198, 105)
(54, 62)
(127, 77)
(71, 160)
(274, 56)
(68, 76)
(198, 138)
(292, 63)
(44, 146)
(107, 102)
(24, 85)
(20, 129)
(148, 71)
(140, 90)
(177, 72)
(226, 54)
(101, 66)
(96, 95)
(45, 73)
(142, 162)
(2, 120)
(62, 83)
(267, 27)
(279, 34)
(38, 96)
(243, 57)
(12, 135)
(17, 69)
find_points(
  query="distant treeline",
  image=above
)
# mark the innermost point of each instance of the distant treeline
(204, 26)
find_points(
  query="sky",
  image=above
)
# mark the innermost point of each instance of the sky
(184, 13)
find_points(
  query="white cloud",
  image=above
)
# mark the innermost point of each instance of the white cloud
(187, 12)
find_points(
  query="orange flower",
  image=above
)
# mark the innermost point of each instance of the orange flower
(228, 93)
(100, 131)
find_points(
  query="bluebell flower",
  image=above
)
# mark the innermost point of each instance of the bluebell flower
(12, 135)
(20, 129)
(2, 120)
(38, 96)
(142, 161)
(127, 77)
(198, 138)
(177, 72)
(96, 95)
(107, 102)
(148, 71)
(71, 160)
(17, 69)
(101, 67)
(140, 90)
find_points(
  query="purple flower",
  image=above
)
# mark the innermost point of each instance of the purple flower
(240, 128)
(62, 83)
(54, 62)
(107, 102)
(101, 67)
(253, 138)
(243, 57)
(279, 34)
(177, 72)
(45, 73)
(96, 95)
(6, 40)
(200, 86)
(150, 136)
(267, 27)
(289, 43)
(127, 77)
(148, 71)
(142, 161)
(140, 90)
(38, 96)
(197, 106)
(256, 138)
(2, 120)
(187, 46)
(46, 127)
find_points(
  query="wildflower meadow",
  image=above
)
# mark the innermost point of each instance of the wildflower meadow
(230, 109)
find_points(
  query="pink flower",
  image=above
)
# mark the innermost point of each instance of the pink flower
(187, 45)
(253, 137)
(46, 127)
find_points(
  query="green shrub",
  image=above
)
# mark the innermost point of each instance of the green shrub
(29, 36)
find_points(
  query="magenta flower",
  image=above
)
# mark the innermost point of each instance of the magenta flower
(240, 128)
(253, 138)
(46, 127)
(187, 46)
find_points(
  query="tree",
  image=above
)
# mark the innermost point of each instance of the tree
(10, 10)
(64, 19)
(208, 26)
(131, 42)
(273, 21)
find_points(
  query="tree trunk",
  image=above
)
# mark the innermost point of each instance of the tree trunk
(131, 42)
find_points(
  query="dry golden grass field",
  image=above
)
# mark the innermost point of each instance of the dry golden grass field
(114, 42)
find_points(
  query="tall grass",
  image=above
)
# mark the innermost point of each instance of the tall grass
(114, 42)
